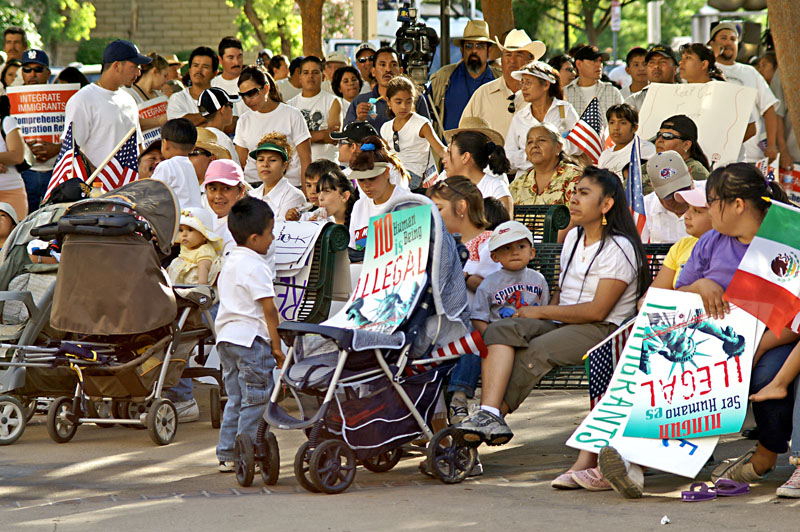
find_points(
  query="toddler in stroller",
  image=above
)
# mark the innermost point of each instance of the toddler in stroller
(376, 359)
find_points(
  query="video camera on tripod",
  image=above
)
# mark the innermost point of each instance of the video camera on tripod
(415, 43)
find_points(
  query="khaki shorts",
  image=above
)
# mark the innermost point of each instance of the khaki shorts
(541, 345)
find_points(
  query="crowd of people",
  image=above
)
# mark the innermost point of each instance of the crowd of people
(327, 138)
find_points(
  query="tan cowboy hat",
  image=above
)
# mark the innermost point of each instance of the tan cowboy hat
(474, 123)
(173, 60)
(519, 40)
(476, 30)
(207, 140)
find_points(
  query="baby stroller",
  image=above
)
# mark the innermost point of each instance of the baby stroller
(127, 333)
(376, 362)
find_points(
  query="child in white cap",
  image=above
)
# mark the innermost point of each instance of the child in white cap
(200, 247)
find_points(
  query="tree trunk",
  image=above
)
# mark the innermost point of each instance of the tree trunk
(588, 20)
(134, 20)
(286, 41)
(500, 17)
(252, 16)
(311, 15)
(783, 17)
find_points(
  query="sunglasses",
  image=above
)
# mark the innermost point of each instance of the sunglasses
(666, 135)
(443, 184)
(511, 107)
(250, 93)
(396, 141)
(197, 152)
(364, 59)
(28, 70)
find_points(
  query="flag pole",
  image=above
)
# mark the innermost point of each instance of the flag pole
(110, 156)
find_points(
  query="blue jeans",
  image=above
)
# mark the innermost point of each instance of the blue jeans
(247, 374)
(464, 377)
(774, 418)
(35, 186)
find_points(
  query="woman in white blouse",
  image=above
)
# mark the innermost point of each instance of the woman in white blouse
(539, 83)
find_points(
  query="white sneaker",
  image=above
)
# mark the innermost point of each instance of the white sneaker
(626, 478)
(188, 411)
(226, 467)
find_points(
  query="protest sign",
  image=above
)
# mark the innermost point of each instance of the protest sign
(294, 242)
(393, 274)
(152, 109)
(720, 110)
(39, 110)
(628, 398)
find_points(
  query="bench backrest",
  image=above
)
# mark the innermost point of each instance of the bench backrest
(544, 221)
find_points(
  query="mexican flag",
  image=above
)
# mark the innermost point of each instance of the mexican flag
(767, 282)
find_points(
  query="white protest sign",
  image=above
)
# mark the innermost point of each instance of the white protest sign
(39, 109)
(720, 110)
(152, 109)
(628, 391)
(294, 242)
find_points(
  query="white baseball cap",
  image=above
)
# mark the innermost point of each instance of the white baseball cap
(508, 232)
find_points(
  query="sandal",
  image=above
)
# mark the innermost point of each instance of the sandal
(726, 487)
(698, 492)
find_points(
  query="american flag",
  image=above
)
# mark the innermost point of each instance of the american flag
(603, 359)
(471, 343)
(633, 188)
(69, 163)
(587, 134)
(123, 168)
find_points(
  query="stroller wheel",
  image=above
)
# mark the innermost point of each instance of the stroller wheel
(448, 458)
(101, 409)
(332, 466)
(302, 469)
(244, 460)
(216, 407)
(384, 461)
(59, 425)
(13, 419)
(271, 463)
(162, 421)
(30, 408)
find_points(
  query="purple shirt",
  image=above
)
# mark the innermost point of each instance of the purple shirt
(715, 257)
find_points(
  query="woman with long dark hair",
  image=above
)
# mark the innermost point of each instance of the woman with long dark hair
(260, 93)
(603, 272)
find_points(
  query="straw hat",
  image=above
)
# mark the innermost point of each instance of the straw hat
(518, 40)
(474, 123)
(207, 140)
(173, 60)
(476, 30)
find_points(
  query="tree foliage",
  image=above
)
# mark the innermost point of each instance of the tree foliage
(11, 15)
(61, 20)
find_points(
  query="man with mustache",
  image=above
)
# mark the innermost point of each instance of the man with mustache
(231, 60)
(453, 85)
(725, 43)
(203, 65)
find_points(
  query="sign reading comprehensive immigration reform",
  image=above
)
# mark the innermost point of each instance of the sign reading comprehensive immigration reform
(39, 109)
(681, 381)
(393, 274)
(152, 109)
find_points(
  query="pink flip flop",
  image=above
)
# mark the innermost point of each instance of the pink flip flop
(698, 492)
(726, 487)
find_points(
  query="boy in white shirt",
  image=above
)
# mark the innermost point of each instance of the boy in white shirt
(178, 137)
(247, 325)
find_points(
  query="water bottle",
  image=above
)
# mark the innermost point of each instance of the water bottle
(373, 109)
(97, 189)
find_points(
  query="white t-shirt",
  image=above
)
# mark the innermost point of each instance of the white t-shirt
(11, 178)
(616, 261)
(283, 119)
(244, 280)
(281, 198)
(589, 92)
(100, 120)
(220, 227)
(492, 186)
(231, 86)
(617, 161)
(178, 172)
(415, 152)
(288, 91)
(316, 111)
(363, 210)
(225, 141)
(181, 104)
(523, 121)
(661, 226)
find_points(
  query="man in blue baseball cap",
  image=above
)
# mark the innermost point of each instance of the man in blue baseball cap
(101, 113)
(35, 67)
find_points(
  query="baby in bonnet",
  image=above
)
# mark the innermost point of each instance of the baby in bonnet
(201, 248)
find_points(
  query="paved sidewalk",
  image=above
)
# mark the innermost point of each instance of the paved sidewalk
(117, 475)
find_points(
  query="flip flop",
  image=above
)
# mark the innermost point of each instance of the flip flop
(726, 487)
(698, 492)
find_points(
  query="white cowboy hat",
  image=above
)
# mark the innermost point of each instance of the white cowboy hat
(519, 40)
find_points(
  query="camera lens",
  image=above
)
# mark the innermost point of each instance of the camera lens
(407, 46)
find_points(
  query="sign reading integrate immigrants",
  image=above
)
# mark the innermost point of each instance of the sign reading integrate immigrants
(152, 109)
(393, 274)
(682, 381)
(39, 110)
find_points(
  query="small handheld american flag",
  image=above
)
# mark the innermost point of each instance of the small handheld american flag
(587, 134)
(633, 188)
(123, 168)
(603, 359)
(471, 343)
(69, 163)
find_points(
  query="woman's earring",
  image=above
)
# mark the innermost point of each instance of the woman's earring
(604, 221)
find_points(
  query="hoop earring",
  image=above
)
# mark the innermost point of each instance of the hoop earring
(604, 221)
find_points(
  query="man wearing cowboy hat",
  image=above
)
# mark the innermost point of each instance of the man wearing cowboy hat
(175, 66)
(489, 101)
(452, 85)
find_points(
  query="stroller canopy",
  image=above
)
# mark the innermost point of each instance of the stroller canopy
(150, 199)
